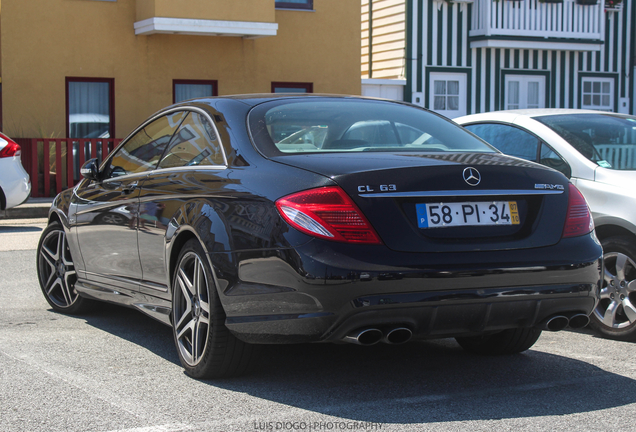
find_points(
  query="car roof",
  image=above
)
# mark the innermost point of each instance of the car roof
(512, 115)
(258, 98)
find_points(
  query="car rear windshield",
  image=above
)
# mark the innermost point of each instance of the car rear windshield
(607, 139)
(319, 125)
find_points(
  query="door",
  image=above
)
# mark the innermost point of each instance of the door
(107, 216)
(177, 179)
(525, 91)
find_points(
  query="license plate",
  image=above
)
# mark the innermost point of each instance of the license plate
(438, 215)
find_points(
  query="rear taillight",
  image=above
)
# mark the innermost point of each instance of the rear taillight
(328, 213)
(11, 149)
(579, 220)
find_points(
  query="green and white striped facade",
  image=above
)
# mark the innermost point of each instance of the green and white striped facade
(486, 55)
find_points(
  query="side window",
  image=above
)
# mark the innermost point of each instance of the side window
(144, 149)
(550, 159)
(508, 139)
(195, 143)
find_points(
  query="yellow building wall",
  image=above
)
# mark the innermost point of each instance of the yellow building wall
(232, 10)
(45, 41)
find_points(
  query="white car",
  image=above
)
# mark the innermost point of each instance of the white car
(15, 184)
(597, 151)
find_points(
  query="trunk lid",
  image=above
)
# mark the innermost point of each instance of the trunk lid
(394, 190)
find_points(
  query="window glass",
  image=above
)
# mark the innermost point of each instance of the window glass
(598, 93)
(89, 110)
(604, 138)
(295, 4)
(195, 143)
(533, 94)
(448, 93)
(185, 91)
(142, 151)
(510, 140)
(550, 159)
(353, 126)
(513, 95)
(286, 87)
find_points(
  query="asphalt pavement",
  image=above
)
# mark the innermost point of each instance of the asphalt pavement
(116, 370)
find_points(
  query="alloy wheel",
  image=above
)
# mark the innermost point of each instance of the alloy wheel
(191, 308)
(57, 272)
(617, 306)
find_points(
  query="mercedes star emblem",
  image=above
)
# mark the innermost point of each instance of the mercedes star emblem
(472, 176)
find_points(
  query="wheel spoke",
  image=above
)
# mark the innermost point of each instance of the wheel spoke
(58, 283)
(605, 293)
(51, 286)
(186, 314)
(66, 291)
(60, 245)
(199, 278)
(185, 284)
(631, 287)
(196, 341)
(189, 326)
(621, 261)
(205, 307)
(609, 318)
(47, 254)
(629, 309)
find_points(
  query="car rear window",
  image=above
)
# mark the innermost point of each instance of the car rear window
(318, 125)
(607, 139)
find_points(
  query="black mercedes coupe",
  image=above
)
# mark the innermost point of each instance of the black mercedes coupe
(264, 219)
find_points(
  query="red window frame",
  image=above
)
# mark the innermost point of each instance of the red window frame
(308, 87)
(309, 5)
(213, 83)
(111, 100)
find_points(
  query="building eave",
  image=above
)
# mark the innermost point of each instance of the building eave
(536, 43)
(246, 29)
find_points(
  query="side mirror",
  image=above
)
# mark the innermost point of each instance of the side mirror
(90, 170)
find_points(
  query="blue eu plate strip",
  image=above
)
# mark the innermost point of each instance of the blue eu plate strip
(422, 218)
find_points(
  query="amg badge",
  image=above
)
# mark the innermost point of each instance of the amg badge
(549, 186)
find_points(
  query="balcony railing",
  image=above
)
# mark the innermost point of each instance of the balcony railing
(532, 18)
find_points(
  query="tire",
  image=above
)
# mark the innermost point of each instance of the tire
(56, 272)
(205, 346)
(615, 314)
(511, 341)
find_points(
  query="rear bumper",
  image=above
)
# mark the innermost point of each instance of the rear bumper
(14, 181)
(323, 291)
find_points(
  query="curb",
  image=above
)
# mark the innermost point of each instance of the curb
(34, 208)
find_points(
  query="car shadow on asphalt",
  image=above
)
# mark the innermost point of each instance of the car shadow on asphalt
(133, 326)
(418, 382)
(19, 228)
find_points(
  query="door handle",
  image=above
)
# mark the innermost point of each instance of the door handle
(130, 187)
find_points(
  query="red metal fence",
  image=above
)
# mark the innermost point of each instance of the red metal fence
(54, 163)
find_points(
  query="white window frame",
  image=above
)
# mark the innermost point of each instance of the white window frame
(462, 78)
(524, 81)
(601, 80)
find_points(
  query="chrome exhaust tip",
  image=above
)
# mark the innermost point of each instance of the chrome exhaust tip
(579, 321)
(366, 337)
(556, 323)
(398, 335)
